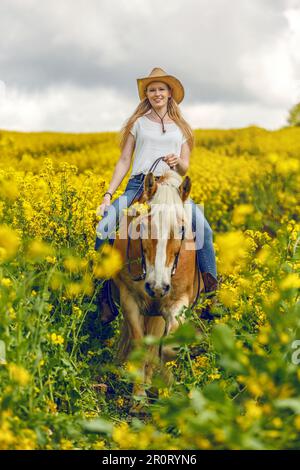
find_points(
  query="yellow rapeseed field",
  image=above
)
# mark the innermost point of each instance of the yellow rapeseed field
(236, 384)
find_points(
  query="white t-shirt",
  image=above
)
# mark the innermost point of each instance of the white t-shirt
(151, 143)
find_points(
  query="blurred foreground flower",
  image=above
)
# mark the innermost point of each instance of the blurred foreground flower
(9, 243)
(233, 248)
(38, 250)
(109, 262)
(18, 374)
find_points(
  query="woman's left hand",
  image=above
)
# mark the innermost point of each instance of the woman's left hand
(172, 160)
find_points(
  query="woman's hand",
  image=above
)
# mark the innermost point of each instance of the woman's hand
(172, 160)
(105, 203)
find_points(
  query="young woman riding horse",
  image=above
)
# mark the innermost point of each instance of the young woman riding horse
(156, 128)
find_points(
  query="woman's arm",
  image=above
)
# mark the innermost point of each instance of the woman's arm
(184, 160)
(120, 171)
(123, 164)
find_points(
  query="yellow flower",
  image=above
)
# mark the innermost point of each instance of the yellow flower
(38, 250)
(219, 435)
(26, 441)
(229, 297)
(6, 282)
(73, 289)
(56, 339)
(51, 259)
(253, 410)
(99, 445)
(292, 281)
(273, 157)
(65, 444)
(9, 243)
(254, 388)
(297, 422)
(200, 362)
(52, 407)
(277, 422)
(240, 213)
(284, 338)
(77, 311)
(202, 442)
(73, 264)
(7, 438)
(18, 374)
(232, 251)
(121, 435)
(164, 392)
(264, 255)
(109, 264)
(12, 313)
(214, 375)
(9, 190)
(171, 364)
(57, 280)
(120, 402)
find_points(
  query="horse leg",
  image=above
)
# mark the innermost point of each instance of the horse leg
(154, 326)
(135, 323)
(173, 318)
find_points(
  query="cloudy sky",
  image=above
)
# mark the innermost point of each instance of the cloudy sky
(71, 65)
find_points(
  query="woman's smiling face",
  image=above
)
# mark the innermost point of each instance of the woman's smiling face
(158, 94)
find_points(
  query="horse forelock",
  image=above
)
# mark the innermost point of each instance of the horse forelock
(166, 206)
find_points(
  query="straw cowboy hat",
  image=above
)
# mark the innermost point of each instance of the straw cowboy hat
(160, 75)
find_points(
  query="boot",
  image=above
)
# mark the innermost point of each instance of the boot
(211, 284)
(106, 308)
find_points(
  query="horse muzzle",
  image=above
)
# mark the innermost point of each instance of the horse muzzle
(156, 291)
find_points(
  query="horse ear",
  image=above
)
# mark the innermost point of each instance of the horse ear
(150, 185)
(185, 188)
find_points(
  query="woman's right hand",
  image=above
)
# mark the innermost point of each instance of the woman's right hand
(105, 203)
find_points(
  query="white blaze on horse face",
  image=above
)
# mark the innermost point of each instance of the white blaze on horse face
(158, 274)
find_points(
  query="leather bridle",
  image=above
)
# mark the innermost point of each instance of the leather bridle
(143, 260)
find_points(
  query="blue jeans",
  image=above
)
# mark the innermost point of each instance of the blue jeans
(203, 233)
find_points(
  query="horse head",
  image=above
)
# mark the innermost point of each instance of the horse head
(163, 229)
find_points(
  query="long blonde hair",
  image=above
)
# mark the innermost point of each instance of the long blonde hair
(174, 113)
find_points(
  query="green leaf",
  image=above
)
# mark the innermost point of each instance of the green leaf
(214, 393)
(97, 425)
(223, 338)
(185, 334)
(292, 403)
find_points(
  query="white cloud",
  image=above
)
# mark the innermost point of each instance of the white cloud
(72, 66)
(270, 75)
(67, 108)
(215, 116)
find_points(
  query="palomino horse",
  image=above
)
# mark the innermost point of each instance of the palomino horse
(153, 303)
